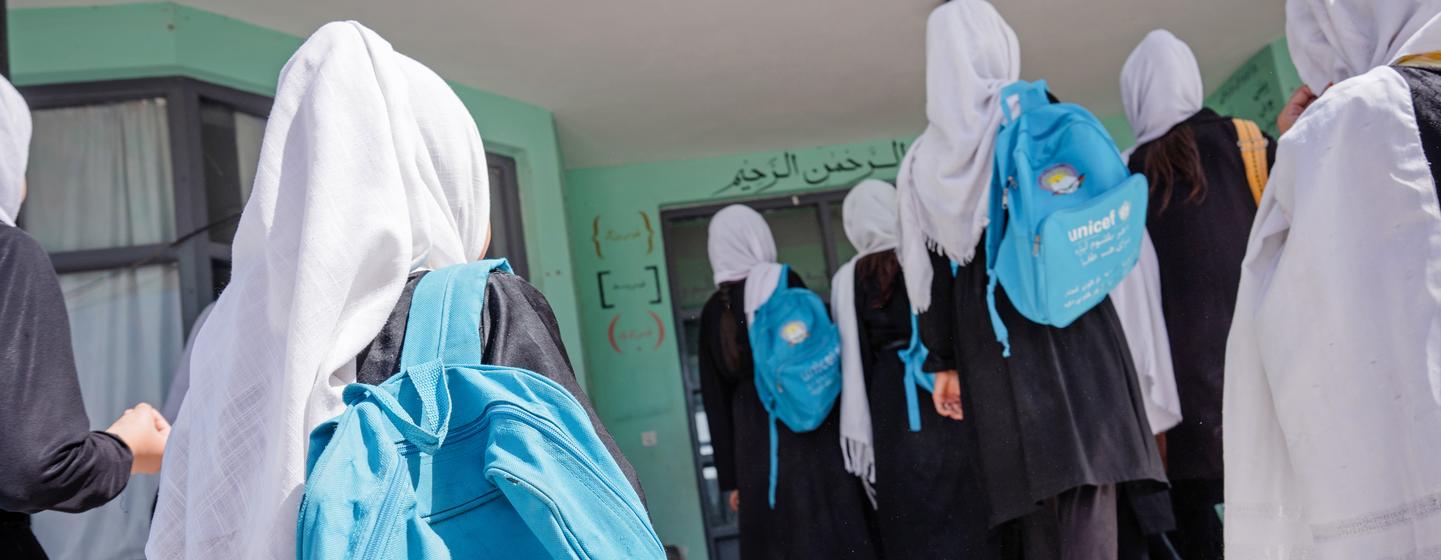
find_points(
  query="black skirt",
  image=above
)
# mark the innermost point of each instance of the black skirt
(820, 509)
(930, 499)
(1064, 411)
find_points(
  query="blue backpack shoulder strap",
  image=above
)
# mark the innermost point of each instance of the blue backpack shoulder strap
(913, 358)
(444, 322)
(1017, 98)
(443, 328)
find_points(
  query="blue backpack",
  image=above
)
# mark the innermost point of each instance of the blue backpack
(797, 353)
(1066, 216)
(454, 458)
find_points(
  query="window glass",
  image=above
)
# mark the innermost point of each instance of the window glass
(799, 243)
(506, 233)
(844, 250)
(100, 177)
(230, 146)
(126, 329)
(219, 277)
(690, 272)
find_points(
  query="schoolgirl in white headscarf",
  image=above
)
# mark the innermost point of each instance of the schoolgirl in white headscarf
(871, 221)
(370, 168)
(1333, 366)
(944, 180)
(929, 499)
(1060, 423)
(1204, 180)
(819, 509)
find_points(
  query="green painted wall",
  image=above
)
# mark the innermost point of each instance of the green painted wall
(1259, 88)
(59, 45)
(614, 214)
(615, 229)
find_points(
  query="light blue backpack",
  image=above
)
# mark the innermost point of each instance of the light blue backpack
(1066, 215)
(454, 458)
(797, 353)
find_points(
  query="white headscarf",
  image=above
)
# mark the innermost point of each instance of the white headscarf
(14, 150)
(370, 168)
(1160, 85)
(741, 247)
(1137, 300)
(871, 221)
(944, 179)
(1332, 40)
(1334, 356)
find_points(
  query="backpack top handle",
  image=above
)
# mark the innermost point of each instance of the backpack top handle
(1021, 96)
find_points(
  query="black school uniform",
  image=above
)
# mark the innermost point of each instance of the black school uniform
(49, 457)
(820, 509)
(930, 500)
(1061, 415)
(1199, 249)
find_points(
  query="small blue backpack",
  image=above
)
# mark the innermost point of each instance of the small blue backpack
(452, 458)
(1066, 215)
(797, 353)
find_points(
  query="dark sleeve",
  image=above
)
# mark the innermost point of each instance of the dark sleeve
(717, 394)
(1270, 151)
(938, 323)
(519, 330)
(51, 459)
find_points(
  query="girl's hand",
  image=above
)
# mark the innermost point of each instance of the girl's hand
(947, 395)
(1302, 98)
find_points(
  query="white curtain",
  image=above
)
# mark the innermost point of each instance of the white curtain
(100, 177)
(126, 329)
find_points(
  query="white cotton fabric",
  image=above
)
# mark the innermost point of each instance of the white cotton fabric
(1160, 85)
(741, 247)
(1137, 300)
(180, 380)
(1334, 359)
(945, 177)
(370, 168)
(1332, 40)
(871, 221)
(14, 150)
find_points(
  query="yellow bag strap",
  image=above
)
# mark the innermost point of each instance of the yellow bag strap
(1253, 153)
(1421, 60)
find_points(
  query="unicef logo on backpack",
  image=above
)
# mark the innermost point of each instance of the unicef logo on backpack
(795, 332)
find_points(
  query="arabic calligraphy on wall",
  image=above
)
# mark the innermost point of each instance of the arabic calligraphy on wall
(834, 167)
(609, 233)
(627, 333)
(1251, 92)
(648, 284)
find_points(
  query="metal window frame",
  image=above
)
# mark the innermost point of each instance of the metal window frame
(508, 203)
(183, 97)
(821, 201)
(194, 256)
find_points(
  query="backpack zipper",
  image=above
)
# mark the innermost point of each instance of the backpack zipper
(392, 489)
